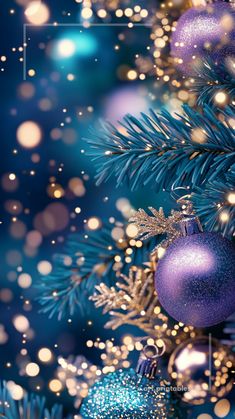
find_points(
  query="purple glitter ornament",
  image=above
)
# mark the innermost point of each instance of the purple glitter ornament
(195, 279)
(201, 33)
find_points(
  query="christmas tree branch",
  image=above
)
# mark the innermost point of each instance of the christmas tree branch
(30, 407)
(131, 297)
(161, 149)
(134, 301)
(88, 259)
(157, 223)
(215, 205)
(213, 78)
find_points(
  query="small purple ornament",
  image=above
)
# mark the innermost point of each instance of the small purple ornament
(195, 279)
(188, 368)
(202, 33)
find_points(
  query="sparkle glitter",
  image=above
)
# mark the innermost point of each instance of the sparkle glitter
(126, 395)
(195, 279)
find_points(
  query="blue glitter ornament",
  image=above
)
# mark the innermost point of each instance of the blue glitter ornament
(195, 279)
(130, 394)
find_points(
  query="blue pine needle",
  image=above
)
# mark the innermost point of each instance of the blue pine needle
(30, 407)
(212, 78)
(162, 149)
(213, 207)
(88, 259)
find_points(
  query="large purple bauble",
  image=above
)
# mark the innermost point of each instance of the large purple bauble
(195, 279)
(203, 33)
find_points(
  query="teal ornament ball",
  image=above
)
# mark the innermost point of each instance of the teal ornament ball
(127, 395)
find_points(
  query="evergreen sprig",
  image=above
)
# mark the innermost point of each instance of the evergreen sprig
(88, 259)
(30, 407)
(212, 78)
(215, 206)
(162, 149)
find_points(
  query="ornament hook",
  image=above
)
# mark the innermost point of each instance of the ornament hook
(153, 352)
(148, 362)
(186, 204)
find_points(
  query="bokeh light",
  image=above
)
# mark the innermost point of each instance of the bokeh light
(13, 207)
(231, 198)
(37, 13)
(222, 408)
(24, 280)
(221, 98)
(66, 48)
(224, 216)
(71, 44)
(123, 101)
(32, 369)
(3, 335)
(29, 134)
(17, 229)
(9, 183)
(21, 323)
(45, 355)
(132, 230)
(34, 238)
(26, 90)
(44, 267)
(16, 391)
(76, 185)
(86, 13)
(93, 223)
(54, 218)
(55, 385)
(6, 295)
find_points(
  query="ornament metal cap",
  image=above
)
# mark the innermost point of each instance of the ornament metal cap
(148, 361)
(190, 225)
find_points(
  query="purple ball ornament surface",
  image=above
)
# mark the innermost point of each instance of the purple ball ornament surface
(202, 33)
(195, 279)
